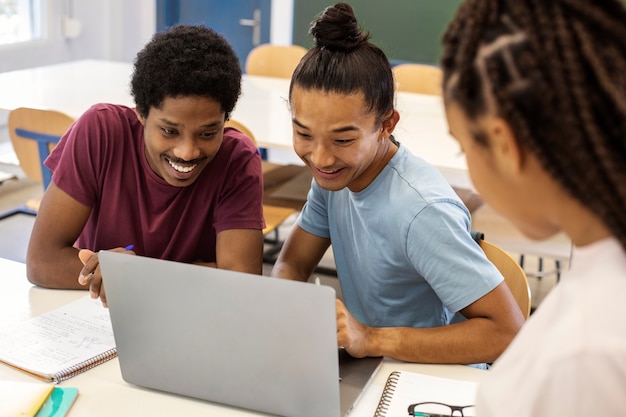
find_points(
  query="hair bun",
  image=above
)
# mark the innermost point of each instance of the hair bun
(337, 28)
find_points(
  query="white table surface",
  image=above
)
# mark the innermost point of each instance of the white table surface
(102, 392)
(70, 87)
(73, 87)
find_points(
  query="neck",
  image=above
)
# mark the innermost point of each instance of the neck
(387, 149)
(583, 226)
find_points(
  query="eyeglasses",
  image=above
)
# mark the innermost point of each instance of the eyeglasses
(435, 409)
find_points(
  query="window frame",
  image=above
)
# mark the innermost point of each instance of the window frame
(39, 21)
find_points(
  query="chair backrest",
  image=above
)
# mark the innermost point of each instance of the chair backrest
(274, 60)
(274, 215)
(240, 127)
(513, 274)
(33, 134)
(418, 78)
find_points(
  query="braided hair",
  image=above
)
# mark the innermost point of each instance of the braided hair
(343, 61)
(556, 71)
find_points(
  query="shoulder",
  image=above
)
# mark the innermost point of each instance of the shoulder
(239, 139)
(414, 169)
(105, 128)
(238, 143)
(104, 110)
(426, 182)
(110, 115)
(239, 152)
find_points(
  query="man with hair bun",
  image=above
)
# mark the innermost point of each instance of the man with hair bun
(415, 285)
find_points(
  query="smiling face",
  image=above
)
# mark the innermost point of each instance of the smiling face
(338, 139)
(182, 137)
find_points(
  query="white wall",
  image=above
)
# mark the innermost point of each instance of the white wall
(281, 30)
(111, 29)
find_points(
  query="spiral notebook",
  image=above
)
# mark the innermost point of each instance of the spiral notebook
(404, 388)
(61, 343)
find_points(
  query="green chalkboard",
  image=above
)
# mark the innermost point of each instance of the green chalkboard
(407, 30)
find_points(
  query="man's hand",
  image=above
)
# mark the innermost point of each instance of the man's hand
(91, 275)
(351, 335)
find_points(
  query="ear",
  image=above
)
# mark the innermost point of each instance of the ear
(389, 123)
(509, 154)
(142, 120)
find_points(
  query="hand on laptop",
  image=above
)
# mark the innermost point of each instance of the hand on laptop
(91, 275)
(351, 335)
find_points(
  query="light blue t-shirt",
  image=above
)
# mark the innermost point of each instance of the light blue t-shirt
(402, 246)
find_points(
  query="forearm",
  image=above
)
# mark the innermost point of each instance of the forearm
(239, 250)
(209, 264)
(289, 271)
(52, 261)
(473, 341)
(55, 268)
(299, 255)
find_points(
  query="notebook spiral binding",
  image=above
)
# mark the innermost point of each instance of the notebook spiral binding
(385, 398)
(67, 373)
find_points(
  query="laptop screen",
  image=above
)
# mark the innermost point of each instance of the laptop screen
(245, 340)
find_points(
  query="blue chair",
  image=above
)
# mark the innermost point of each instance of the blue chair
(43, 143)
(34, 133)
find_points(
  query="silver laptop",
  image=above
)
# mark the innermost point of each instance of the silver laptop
(250, 341)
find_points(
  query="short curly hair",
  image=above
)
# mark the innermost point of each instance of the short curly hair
(186, 60)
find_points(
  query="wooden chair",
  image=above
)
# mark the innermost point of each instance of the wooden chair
(546, 258)
(513, 274)
(274, 215)
(274, 60)
(418, 78)
(34, 133)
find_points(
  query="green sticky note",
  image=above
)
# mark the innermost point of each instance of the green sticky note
(59, 402)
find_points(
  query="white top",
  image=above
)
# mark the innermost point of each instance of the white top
(570, 357)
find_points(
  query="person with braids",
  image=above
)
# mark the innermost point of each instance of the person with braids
(415, 284)
(166, 176)
(535, 93)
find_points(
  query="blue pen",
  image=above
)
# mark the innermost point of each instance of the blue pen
(88, 277)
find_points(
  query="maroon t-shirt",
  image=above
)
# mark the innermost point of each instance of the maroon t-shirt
(101, 163)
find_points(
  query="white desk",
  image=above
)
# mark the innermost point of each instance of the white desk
(74, 86)
(102, 392)
(69, 87)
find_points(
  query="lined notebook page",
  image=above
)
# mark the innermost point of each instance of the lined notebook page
(405, 388)
(60, 343)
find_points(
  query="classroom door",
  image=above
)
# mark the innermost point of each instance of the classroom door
(245, 23)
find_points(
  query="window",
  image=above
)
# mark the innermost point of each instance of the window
(20, 21)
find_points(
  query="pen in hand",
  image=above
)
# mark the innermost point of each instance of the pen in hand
(85, 255)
